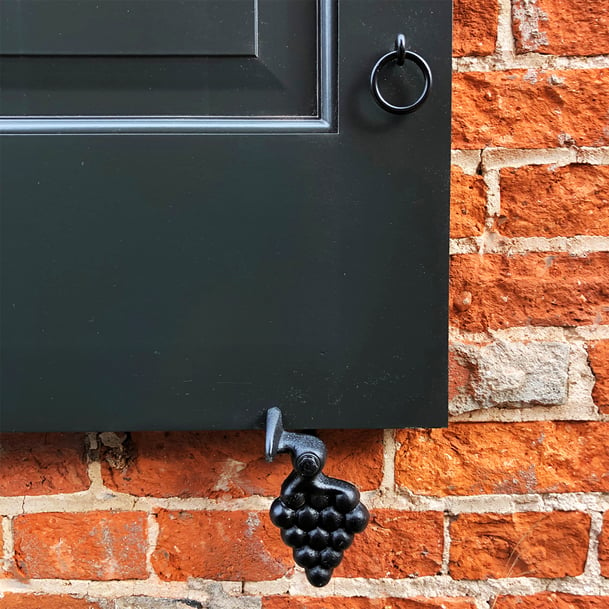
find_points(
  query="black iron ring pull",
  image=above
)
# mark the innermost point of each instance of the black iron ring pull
(318, 516)
(400, 55)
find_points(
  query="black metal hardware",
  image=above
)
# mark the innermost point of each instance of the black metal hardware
(318, 516)
(400, 55)
(182, 296)
(400, 47)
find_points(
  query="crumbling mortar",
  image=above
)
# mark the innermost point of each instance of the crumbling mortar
(499, 158)
(428, 586)
(493, 194)
(493, 243)
(528, 61)
(387, 486)
(470, 161)
(7, 546)
(152, 537)
(465, 245)
(447, 519)
(405, 500)
(529, 17)
(111, 590)
(576, 335)
(117, 449)
(254, 503)
(593, 567)
(505, 48)
(433, 586)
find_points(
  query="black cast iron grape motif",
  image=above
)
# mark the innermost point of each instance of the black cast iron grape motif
(318, 516)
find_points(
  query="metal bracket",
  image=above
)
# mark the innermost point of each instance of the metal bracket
(318, 516)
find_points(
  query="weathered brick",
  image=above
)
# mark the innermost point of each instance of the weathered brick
(45, 601)
(539, 289)
(603, 546)
(42, 464)
(530, 109)
(359, 602)
(460, 372)
(475, 27)
(511, 458)
(561, 27)
(551, 600)
(239, 545)
(598, 354)
(468, 204)
(545, 201)
(232, 464)
(504, 373)
(92, 545)
(402, 544)
(527, 544)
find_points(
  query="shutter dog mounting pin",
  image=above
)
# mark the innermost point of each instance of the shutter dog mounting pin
(400, 55)
(318, 516)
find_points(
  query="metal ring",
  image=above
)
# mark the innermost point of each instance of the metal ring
(396, 55)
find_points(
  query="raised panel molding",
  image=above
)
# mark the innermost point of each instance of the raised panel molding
(264, 76)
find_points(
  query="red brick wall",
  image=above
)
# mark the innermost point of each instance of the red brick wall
(506, 509)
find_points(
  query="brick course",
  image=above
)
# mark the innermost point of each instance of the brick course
(552, 600)
(291, 602)
(530, 108)
(561, 27)
(403, 544)
(530, 544)
(95, 545)
(547, 201)
(475, 27)
(538, 289)
(504, 458)
(42, 464)
(231, 464)
(45, 601)
(219, 545)
(603, 546)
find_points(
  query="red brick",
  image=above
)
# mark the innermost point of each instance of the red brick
(511, 458)
(42, 464)
(561, 27)
(396, 544)
(359, 602)
(539, 289)
(474, 27)
(527, 544)
(549, 202)
(235, 546)
(598, 355)
(525, 109)
(551, 600)
(42, 601)
(603, 546)
(232, 464)
(92, 545)
(468, 204)
(460, 372)
(355, 455)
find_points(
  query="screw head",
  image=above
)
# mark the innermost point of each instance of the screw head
(308, 464)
